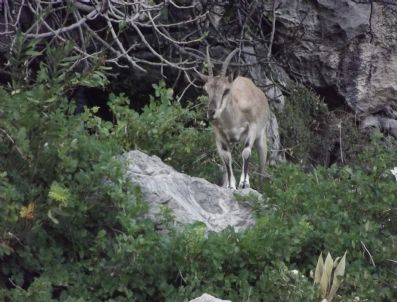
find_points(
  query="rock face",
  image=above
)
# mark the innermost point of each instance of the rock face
(208, 298)
(191, 199)
(346, 50)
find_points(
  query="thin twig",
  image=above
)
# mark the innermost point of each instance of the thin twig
(168, 37)
(269, 53)
(14, 143)
(142, 36)
(90, 16)
(15, 285)
(369, 254)
(184, 91)
(340, 142)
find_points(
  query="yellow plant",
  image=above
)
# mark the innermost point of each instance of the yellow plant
(328, 275)
(27, 212)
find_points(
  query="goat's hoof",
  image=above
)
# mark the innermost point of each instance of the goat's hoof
(244, 185)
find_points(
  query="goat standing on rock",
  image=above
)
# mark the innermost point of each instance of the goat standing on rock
(239, 113)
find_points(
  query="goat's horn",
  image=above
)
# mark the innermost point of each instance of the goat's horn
(210, 71)
(227, 61)
(203, 77)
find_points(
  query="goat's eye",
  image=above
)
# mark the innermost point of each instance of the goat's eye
(227, 90)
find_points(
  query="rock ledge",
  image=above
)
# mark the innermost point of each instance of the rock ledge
(191, 199)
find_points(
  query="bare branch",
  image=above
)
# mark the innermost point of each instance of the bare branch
(154, 51)
(90, 16)
(140, 33)
(125, 53)
(269, 53)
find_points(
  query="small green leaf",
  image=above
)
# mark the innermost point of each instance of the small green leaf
(367, 226)
(5, 249)
(59, 194)
(33, 53)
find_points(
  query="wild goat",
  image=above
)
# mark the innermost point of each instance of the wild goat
(239, 113)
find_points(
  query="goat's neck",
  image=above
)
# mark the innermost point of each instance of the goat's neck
(229, 114)
(231, 125)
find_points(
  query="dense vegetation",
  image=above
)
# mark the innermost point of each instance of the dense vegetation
(71, 227)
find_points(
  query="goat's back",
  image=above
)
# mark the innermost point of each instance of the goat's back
(249, 99)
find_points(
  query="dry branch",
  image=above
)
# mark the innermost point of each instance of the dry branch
(139, 33)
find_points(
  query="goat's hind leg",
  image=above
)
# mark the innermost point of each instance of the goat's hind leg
(244, 178)
(261, 147)
(246, 154)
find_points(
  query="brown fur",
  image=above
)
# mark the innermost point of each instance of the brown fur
(240, 113)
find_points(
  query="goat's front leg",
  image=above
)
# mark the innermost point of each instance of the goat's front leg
(228, 177)
(249, 142)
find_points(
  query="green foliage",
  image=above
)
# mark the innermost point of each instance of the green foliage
(350, 210)
(313, 135)
(53, 195)
(177, 134)
(73, 228)
(301, 122)
(22, 54)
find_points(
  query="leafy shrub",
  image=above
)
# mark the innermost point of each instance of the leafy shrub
(72, 227)
(53, 194)
(301, 123)
(178, 135)
(351, 210)
(314, 135)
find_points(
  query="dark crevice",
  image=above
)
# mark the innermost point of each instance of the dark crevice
(331, 97)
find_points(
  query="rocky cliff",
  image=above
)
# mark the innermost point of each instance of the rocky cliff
(346, 50)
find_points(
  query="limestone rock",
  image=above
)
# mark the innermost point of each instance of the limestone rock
(208, 298)
(346, 50)
(191, 199)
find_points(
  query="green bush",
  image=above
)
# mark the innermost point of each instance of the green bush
(177, 134)
(72, 226)
(59, 185)
(351, 210)
(301, 123)
(314, 135)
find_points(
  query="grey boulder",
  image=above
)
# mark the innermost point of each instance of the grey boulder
(190, 199)
(208, 298)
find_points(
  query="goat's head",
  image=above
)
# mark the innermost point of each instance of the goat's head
(217, 87)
